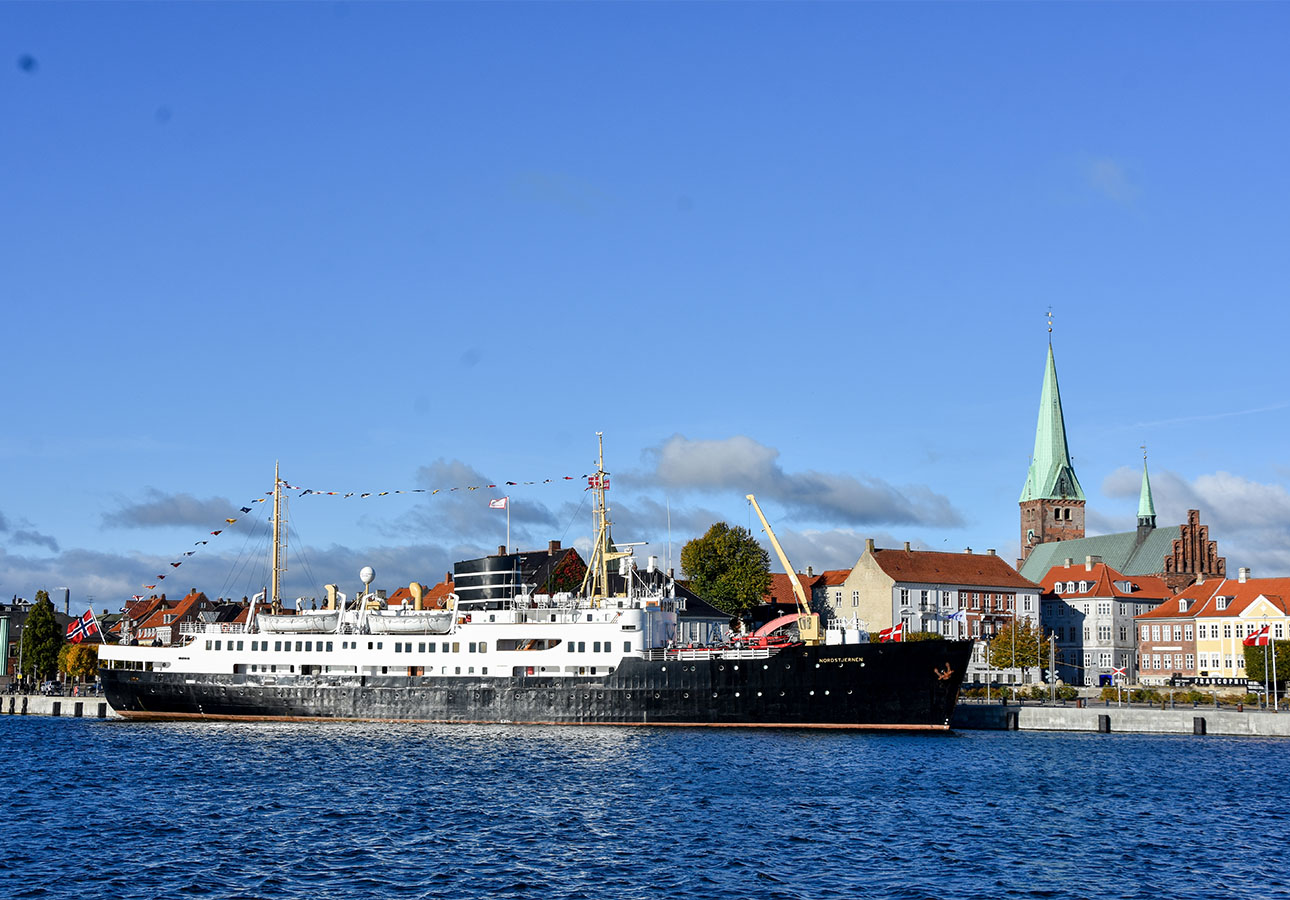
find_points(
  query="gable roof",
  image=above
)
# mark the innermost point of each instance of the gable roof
(1240, 596)
(781, 587)
(937, 567)
(1103, 581)
(1121, 551)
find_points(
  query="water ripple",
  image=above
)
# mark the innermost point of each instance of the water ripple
(282, 811)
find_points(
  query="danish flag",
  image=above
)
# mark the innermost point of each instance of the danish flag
(1259, 638)
(82, 628)
(894, 633)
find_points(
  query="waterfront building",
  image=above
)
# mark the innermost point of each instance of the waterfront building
(956, 595)
(1198, 635)
(1052, 507)
(1089, 610)
(13, 616)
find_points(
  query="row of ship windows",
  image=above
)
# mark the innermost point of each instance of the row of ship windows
(399, 646)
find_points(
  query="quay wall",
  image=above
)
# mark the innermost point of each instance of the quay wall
(1121, 719)
(41, 705)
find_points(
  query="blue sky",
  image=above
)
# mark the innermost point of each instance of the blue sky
(800, 250)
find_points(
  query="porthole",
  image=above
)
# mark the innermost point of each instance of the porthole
(848, 693)
(812, 693)
(714, 695)
(721, 668)
(663, 669)
(781, 693)
(736, 668)
(656, 695)
(817, 665)
(826, 693)
(686, 695)
(765, 665)
(759, 693)
(736, 693)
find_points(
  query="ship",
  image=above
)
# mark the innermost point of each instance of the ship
(594, 656)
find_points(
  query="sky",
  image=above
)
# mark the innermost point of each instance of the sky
(805, 251)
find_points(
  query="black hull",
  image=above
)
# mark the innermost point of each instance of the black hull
(894, 686)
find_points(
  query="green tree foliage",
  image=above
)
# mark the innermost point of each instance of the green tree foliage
(922, 636)
(727, 568)
(42, 638)
(1031, 646)
(79, 661)
(1254, 661)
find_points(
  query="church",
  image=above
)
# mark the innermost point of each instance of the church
(1052, 516)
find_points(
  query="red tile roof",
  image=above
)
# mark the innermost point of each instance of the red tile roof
(936, 567)
(1102, 580)
(781, 587)
(1240, 596)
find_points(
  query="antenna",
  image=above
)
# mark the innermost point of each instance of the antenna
(1050, 323)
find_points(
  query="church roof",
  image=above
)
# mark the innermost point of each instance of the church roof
(1119, 551)
(1051, 474)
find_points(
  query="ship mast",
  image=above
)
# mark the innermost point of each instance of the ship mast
(597, 576)
(279, 519)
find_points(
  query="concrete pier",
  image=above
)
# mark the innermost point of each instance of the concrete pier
(41, 705)
(1098, 718)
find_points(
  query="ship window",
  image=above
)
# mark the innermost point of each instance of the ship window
(445, 647)
(329, 646)
(458, 672)
(430, 648)
(398, 648)
(421, 648)
(309, 645)
(380, 644)
(582, 646)
(627, 646)
(471, 649)
(255, 645)
(208, 645)
(470, 671)
(484, 671)
(407, 648)
(483, 646)
(298, 643)
(369, 645)
(277, 645)
(595, 647)
(217, 643)
(456, 647)
(572, 646)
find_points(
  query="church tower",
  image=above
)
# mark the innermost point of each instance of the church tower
(1052, 501)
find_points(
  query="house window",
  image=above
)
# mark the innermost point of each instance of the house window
(1104, 632)
(1086, 632)
(1187, 635)
(855, 598)
(904, 596)
(1191, 660)
(1104, 609)
(1104, 660)
(1276, 630)
(1155, 632)
(1227, 631)
(1124, 633)
(1026, 603)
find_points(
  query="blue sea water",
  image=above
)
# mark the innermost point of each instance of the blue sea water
(110, 809)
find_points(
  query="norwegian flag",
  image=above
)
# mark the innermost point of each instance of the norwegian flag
(1260, 638)
(895, 633)
(82, 628)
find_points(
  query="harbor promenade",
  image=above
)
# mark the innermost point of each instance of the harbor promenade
(1099, 717)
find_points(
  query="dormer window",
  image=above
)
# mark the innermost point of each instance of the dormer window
(1222, 602)
(1058, 587)
(1183, 604)
(1083, 587)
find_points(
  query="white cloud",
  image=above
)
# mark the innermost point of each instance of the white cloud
(741, 464)
(162, 510)
(1249, 519)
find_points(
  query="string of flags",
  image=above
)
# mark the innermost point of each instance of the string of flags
(593, 482)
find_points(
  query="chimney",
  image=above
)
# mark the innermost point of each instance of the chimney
(868, 545)
(1243, 574)
(553, 548)
(967, 550)
(906, 546)
(810, 572)
(1070, 561)
(501, 549)
(990, 552)
(1090, 562)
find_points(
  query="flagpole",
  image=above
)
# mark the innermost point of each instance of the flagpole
(508, 524)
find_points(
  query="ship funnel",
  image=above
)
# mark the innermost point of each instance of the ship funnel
(417, 591)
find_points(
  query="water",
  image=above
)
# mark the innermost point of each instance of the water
(95, 809)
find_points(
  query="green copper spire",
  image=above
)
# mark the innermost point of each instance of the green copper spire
(1051, 475)
(1146, 506)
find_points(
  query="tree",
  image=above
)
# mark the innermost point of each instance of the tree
(79, 661)
(41, 639)
(727, 568)
(1031, 646)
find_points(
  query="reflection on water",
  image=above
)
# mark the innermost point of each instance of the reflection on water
(364, 810)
